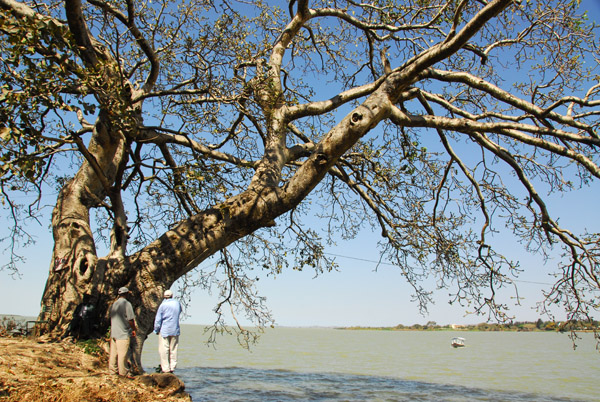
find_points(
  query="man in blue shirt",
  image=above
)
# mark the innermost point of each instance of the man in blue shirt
(166, 326)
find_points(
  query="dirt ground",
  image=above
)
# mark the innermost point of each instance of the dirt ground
(31, 370)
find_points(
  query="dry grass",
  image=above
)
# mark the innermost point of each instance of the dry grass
(62, 372)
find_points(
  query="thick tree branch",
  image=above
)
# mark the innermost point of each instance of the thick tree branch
(536, 111)
(512, 130)
(80, 31)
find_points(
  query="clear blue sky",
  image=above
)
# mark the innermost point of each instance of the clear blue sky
(354, 296)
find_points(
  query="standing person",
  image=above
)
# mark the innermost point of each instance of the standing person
(122, 328)
(166, 326)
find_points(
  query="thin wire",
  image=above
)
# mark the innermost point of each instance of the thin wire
(395, 265)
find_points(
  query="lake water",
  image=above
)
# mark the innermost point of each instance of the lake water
(319, 364)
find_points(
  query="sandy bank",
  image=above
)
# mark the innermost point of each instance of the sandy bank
(62, 372)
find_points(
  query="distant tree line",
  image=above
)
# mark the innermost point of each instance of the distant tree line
(525, 326)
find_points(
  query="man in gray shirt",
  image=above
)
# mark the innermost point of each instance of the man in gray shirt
(122, 328)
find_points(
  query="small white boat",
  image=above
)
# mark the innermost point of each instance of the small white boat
(458, 342)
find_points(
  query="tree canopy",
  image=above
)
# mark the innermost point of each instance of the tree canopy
(174, 131)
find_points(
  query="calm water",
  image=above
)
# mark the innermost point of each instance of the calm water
(317, 364)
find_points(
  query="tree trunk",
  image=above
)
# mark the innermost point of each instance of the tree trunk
(75, 271)
(77, 276)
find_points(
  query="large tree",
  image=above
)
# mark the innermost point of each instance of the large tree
(177, 130)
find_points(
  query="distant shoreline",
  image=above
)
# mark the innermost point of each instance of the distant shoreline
(525, 326)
